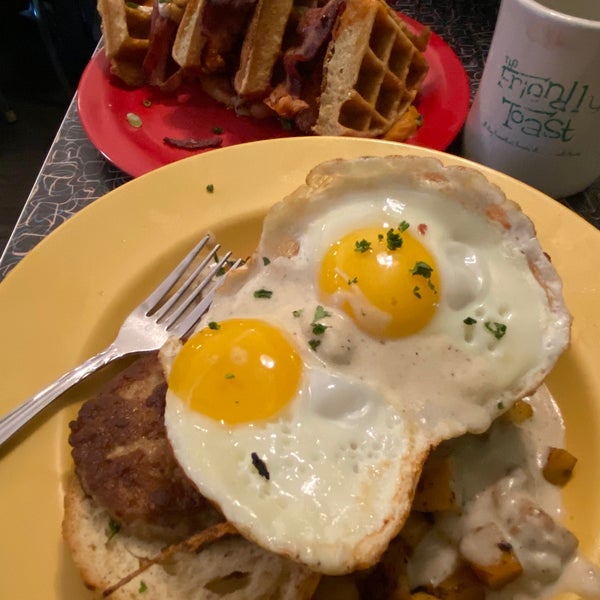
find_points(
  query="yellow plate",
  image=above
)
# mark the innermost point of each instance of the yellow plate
(67, 298)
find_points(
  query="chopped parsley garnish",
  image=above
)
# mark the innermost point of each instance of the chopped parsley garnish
(380, 237)
(393, 240)
(286, 124)
(416, 291)
(353, 280)
(422, 268)
(217, 130)
(498, 330)
(320, 313)
(469, 321)
(500, 405)
(210, 188)
(134, 120)
(229, 376)
(112, 529)
(143, 587)
(260, 466)
(314, 344)
(298, 312)
(319, 328)
(266, 261)
(262, 293)
(362, 246)
(214, 325)
(403, 226)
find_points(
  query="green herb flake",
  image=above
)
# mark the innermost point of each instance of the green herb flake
(500, 405)
(393, 240)
(320, 313)
(217, 130)
(380, 237)
(143, 587)
(112, 529)
(362, 246)
(469, 321)
(287, 124)
(132, 5)
(298, 312)
(134, 120)
(353, 280)
(422, 268)
(498, 330)
(314, 344)
(416, 292)
(210, 188)
(221, 271)
(319, 328)
(214, 325)
(403, 226)
(262, 293)
(266, 261)
(229, 376)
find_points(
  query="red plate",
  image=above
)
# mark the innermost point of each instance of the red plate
(103, 105)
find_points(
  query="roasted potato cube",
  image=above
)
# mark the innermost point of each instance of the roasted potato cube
(461, 585)
(414, 530)
(559, 466)
(491, 556)
(501, 573)
(435, 491)
(520, 411)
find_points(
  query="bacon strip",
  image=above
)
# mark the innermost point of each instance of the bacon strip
(194, 144)
(314, 30)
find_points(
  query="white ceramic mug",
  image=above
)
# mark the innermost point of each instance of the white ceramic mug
(536, 115)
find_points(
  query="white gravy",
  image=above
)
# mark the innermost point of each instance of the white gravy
(499, 481)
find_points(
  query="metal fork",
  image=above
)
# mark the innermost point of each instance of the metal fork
(167, 311)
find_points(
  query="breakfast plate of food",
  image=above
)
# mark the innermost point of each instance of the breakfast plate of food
(336, 491)
(143, 109)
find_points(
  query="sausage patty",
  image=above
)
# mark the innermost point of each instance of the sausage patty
(123, 457)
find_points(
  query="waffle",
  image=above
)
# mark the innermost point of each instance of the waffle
(126, 32)
(373, 72)
(189, 41)
(262, 47)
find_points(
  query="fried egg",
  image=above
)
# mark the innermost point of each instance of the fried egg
(392, 303)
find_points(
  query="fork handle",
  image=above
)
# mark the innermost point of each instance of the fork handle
(16, 418)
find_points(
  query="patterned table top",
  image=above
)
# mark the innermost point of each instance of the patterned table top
(75, 174)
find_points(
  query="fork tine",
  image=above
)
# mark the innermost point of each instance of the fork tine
(189, 321)
(164, 310)
(159, 293)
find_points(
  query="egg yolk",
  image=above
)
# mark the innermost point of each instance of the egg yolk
(384, 278)
(236, 371)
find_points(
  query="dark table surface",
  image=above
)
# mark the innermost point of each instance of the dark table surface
(75, 173)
